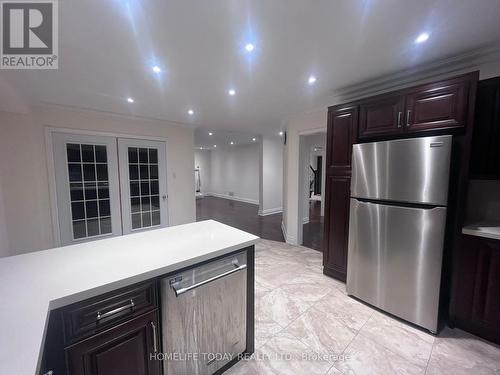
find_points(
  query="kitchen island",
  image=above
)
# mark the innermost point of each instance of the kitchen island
(35, 285)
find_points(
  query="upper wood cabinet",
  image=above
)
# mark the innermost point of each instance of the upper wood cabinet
(341, 134)
(485, 154)
(437, 106)
(443, 105)
(381, 115)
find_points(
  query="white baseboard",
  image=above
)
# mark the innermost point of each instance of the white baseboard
(233, 198)
(271, 211)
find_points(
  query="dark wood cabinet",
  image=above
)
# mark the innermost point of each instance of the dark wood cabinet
(475, 303)
(122, 350)
(443, 105)
(438, 106)
(485, 154)
(381, 115)
(336, 226)
(341, 135)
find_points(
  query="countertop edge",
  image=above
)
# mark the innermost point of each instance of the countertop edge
(480, 233)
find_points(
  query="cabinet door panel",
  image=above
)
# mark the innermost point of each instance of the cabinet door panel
(475, 303)
(381, 116)
(122, 350)
(485, 153)
(437, 106)
(336, 225)
(486, 302)
(342, 122)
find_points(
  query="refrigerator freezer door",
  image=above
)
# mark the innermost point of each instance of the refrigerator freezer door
(408, 170)
(395, 257)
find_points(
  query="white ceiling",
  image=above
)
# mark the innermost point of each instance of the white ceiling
(222, 138)
(107, 49)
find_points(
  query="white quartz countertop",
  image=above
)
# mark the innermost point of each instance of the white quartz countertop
(487, 229)
(33, 284)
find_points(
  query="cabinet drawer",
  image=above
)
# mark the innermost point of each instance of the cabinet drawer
(88, 317)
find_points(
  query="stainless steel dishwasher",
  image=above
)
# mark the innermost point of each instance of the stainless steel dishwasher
(204, 316)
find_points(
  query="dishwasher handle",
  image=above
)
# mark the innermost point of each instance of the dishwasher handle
(181, 291)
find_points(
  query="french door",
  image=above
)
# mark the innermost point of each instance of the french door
(143, 184)
(108, 186)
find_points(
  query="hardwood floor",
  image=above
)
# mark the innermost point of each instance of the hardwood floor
(245, 216)
(313, 231)
(240, 215)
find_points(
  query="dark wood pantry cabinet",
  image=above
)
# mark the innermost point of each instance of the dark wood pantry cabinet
(436, 108)
(475, 305)
(341, 134)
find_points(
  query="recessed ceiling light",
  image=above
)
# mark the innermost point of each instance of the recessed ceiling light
(215, 146)
(232, 142)
(232, 92)
(422, 38)
(191, 112)
(312, 80)
(254, 139)
(201, 148)
(249, 47)
(156, 69)
(210, 133)
(130, 100)
(280, 133)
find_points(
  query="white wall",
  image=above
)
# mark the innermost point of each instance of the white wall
(305, 124)
(202, 160)
(23, 160)
(235, 170)
(4, 240)
(271, 175)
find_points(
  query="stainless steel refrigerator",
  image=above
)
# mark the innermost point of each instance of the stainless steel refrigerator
(399, 194)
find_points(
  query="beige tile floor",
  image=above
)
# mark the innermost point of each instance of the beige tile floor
(306, 324)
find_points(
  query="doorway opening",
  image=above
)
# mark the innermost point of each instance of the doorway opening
(312, 148)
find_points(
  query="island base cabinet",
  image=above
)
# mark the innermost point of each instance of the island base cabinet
(122, 350)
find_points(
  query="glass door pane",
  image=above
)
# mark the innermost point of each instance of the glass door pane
(143, 184)
(86, 169)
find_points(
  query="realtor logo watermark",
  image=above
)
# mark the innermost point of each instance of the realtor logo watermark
(29, 34)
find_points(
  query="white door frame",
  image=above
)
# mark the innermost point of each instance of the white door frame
(49, 131)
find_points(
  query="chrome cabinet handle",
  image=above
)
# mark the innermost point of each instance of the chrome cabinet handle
(408, 113)
(50, 372)
(399, 118)
(178, 292)
(131, 305)
(155, 343)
